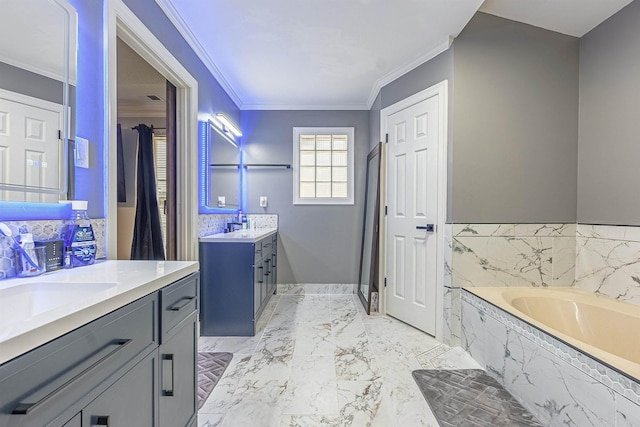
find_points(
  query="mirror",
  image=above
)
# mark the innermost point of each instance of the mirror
(368, 278)
(220, 175)
(37, 80)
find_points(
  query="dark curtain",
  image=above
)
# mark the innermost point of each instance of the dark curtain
(122, 192)
(147, 232)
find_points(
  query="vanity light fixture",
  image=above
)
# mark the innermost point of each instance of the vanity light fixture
(220, 128)
(226, 123)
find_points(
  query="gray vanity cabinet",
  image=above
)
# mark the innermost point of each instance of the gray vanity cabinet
(237, 281)
(111, 371)
(130, 401)
(178, 354)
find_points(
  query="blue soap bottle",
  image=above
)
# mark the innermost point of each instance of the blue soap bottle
(78, 236)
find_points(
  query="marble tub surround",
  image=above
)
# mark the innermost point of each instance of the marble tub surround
(557, 383)
(608, 261)
(513, 255)
(318, 359)
(43, 230)
(39, 309)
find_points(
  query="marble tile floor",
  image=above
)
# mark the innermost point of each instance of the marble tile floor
(320, 360)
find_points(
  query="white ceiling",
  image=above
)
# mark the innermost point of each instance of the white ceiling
(337, 54)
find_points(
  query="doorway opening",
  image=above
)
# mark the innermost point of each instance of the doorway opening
(144, 98)
(124, 25)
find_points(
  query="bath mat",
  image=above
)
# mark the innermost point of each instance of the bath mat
(211, 366)
(470, 397)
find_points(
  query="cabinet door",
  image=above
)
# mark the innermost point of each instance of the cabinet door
(178, 376)
(258, 281)
(266, 285)
(130, 401)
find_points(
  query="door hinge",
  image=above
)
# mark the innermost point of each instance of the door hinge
(386, 210)
(386, 137)
(59, 134)
(385, 282)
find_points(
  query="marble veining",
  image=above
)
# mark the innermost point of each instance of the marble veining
(559, 384)
(608, 261)
(322, 361)
(513, 255)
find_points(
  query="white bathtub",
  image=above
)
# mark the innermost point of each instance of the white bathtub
(570, 357)
(604, 328)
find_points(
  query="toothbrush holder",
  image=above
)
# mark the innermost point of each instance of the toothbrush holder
(24, 267)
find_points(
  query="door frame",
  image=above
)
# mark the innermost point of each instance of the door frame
(441, 90)
(123, 23)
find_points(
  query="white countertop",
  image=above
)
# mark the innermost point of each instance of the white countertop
(250, 236)
(36, 310)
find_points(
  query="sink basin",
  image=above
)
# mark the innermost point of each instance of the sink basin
(32, 299)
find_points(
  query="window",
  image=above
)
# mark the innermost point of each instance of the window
(323, 166)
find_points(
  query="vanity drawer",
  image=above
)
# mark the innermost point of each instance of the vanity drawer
(63, 375)
(177, 302)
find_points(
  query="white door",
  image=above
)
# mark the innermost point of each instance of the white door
(412, 211)
(30, 145)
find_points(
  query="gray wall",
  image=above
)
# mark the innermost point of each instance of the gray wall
(318, 244)
(609, 149)
(420, 78)
(515, 133)
(90, 99)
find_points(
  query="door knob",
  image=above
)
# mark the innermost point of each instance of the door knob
(429, 227)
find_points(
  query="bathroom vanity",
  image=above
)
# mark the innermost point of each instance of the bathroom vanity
(112, 344)
(239, 275)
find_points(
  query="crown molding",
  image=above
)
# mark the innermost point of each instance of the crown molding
(399, 72)
(176, 19)
(174, 16)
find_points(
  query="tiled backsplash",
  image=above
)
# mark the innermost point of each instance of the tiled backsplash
(42, 230)
(215, 223)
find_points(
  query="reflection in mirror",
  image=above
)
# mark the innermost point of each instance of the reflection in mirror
(220, 174)
(37, 69)
(368, 280)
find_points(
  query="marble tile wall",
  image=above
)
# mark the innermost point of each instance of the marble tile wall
(43, 230)
(608, 261)
(503, 255)
(513, 254)
(558, 384)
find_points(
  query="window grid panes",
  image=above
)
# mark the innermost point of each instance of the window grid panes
(323, 166)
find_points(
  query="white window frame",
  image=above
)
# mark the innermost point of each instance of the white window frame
(349, 131)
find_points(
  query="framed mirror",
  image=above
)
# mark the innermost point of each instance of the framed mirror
(37, 96)
(220, 171)
(368, 277)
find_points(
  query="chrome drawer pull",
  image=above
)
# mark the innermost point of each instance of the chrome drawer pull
(27, 408)
(182, 304)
